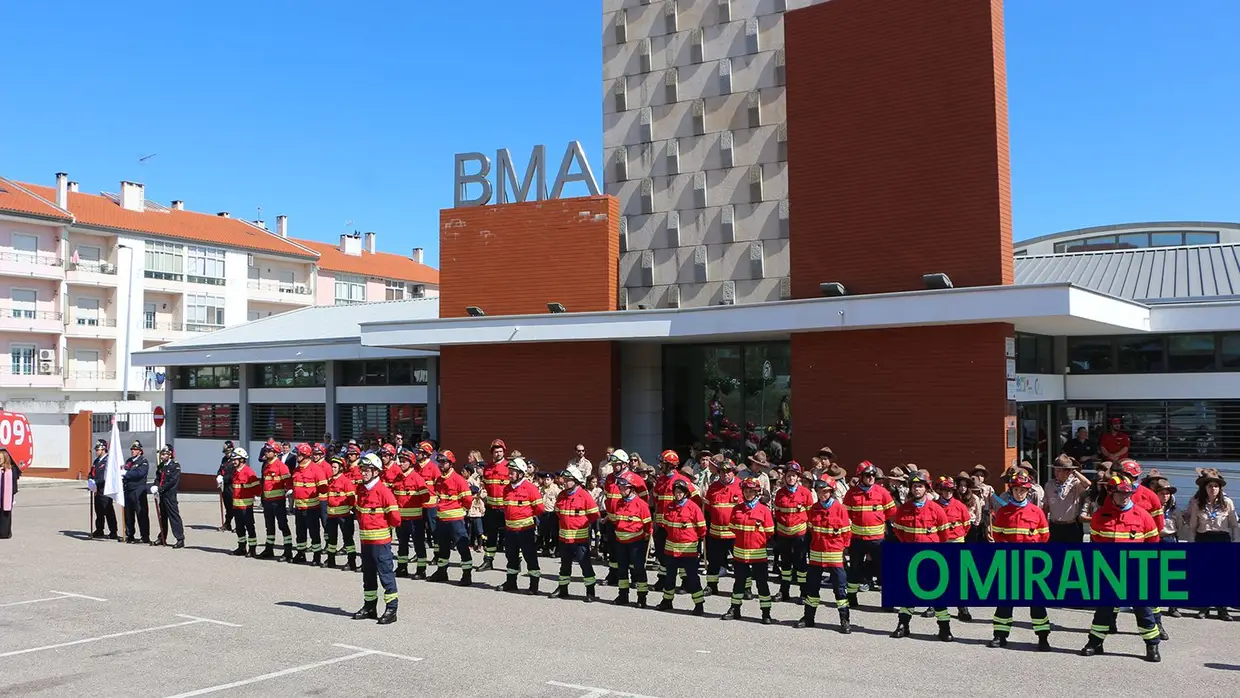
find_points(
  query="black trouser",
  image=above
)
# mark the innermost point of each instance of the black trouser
(858, 568)
(793, 558)
(1104, 618)
(1067, 532)
(1002, 621)
(580, 554)
(307, 521)
(492, 525)
(718, 550)
(742, 572)
(275, 513)
(342, 525)
(518, 544)
(430, 522)
(323, 514)
(692, 582)
(376, 569)
(105, 510)
(660, 555)
(227, 498)
(607, 536)
(451, 535)
(940, 614)
(548, 530)
(836, 577)
(135, 509)
(243, 517)
(411, 529)
(631, 562)
(170, 515)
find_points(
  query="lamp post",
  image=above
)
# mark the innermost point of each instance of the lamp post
(128, 329)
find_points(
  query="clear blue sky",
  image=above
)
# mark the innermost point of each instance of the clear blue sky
(1121, 110)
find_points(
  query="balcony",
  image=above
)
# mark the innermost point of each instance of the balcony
(29, 265)
(21, 319)
(91, 327)
(191, 327)
(29, 377)
(159, 331)
(165, 282)
(90, 380)
(91, 273)
(283, 292)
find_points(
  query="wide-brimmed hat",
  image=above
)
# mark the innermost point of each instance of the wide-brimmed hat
(896, 473)
(826, 451)
(759, 458)
(836, 472)
(1207, 475)
(979, 468)
(1067, 462)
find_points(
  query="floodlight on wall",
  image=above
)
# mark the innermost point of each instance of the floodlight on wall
(557, 308)
(474, 311)
(832, 289)
(936, 281)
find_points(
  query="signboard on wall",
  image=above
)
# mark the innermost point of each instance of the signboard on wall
(506, 177)
(1036, 387)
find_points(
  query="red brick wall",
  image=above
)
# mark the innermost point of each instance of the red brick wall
(541, 398)
(897, 144)
(513, 259)
(935, 396)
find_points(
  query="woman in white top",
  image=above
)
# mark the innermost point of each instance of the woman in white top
(1211, 517)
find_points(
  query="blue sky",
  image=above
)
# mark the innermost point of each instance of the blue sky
(347, 118)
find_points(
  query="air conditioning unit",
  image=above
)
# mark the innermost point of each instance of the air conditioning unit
(249, 259)
(300, 288)
(47, 368)
(48, 355)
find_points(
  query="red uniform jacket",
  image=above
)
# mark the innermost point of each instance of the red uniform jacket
(792, 510)
(1020, 524)
(410, 492)
(1145, 498)
(663, 493)
(246, 486)
(390, 474)
(868, 511)
(830, 532)
(958, 519)
(685, 526)
(377, 514)
(1110, 524)
(276, 481)
(306, 488)
(612, 492)
(325, 473)
(522, 504)
(455, 497)
(721, 498)
(355, 472)
(632, 519)
(576, 510)
(753, 527)
(920, 524)
(494, 480)
(341, 496)
(430, 473)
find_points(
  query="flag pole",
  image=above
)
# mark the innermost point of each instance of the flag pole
(90, 525)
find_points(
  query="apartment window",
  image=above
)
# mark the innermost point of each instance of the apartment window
(287, 284)
(164, 260)
(87, 312)
(1190, 352)
(1141, 354)
(205, 265)
(1159, 353)
(208, 377)
(1033, 353)
(385, 372)
(1229, 351)
(86, 364)
(381, 421)
(292, 375)
(350, 289)
(24, 302)
(23, 357)
(214, 421)
(395, 290)
(26, 246)
(288, 422)
(203, 313)
(88, 258)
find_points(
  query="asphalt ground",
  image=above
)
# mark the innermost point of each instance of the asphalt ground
(86, 617)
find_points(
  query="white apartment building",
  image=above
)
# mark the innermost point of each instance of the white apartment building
(86, 280)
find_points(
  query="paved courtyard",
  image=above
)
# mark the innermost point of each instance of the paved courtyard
(84, 617)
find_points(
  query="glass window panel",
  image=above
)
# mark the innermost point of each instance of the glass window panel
(354, 373)
(1133, 240)
(1229, 351)
(376, 373)
(1141, 354)
(1200, 238)
(1090, 354)
(400, 372)
(1190, 352)
(1166, 239)
(1102, 242)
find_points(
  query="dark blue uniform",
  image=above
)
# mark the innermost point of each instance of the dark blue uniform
(105, 511)
(134, 480)
(168, 480)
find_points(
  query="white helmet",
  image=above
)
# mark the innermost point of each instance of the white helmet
(620, 455)
(241, 453)
(371, 460)
(518, 464)
(574, 472)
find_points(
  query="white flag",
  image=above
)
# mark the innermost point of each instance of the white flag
(112, 486)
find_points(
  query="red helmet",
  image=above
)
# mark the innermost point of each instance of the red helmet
(304, 450)
(1118, 483)
(448, 456)
(354, 448)
(425, 447)
(499, 443)
(388, 449)
(405, 456)
(944, 482)
(866, 468)
(824, 481)
(792, 467)
(318, 449)
(1130, 467)
(671, 457)
(751, 483)
(1021, 480)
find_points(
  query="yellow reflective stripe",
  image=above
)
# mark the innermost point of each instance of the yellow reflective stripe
(510, 503)
(914, 529)
(377, 534)
(578, 512)
(243, 501)
(495, 501)
(791, 530)
(681, 524)
(828, 531)
(628, 536)
(748, 554)
(575, 533)
(866, 507)
(519, 523)
(625, 517)
(336, 511)
(497, 482)
(673, 547)
(1125, 535)
(274, 494)
(867, 530)
(411, 512)
(721, 531)
(790, 510)
(369, 510)
(826, 556)
(305, 503)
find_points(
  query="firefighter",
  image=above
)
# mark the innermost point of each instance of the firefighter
(1148, 500)
(686, 527)
(341, 498)
(920, 520)
(619, 460)
(167, 483)
(669, 461)
(721, 497)
(792, 503)
(631, 522)
(1121, 520)
(105, 510)
(246, 486)
(753, 526)
(307, 491)
(353, 462)
(391, 469)
(318, 459)
(958, 523)
(411, 492)
(869, 505)
(494, 480)
(431, 474)
(576, 510)
(133, 477)
(224, 481)
(1020, 521)
(830, 531)
(523, 504)
(277, 481)
(455, 499)
(377, 515)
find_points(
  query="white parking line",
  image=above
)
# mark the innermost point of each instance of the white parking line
(77, 596)
(361, 652)
(209, 620)
(59, 596)
(595, 692)
(110, 636)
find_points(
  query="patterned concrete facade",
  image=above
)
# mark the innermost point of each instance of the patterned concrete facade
(695, 144)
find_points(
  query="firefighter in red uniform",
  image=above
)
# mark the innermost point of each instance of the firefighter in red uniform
(1120, 520)
(494, 480)
(341, 498)
(830, 533)
(576, 510)
(317, 453)
(1019, 521)
(792, 503)
(455, 499)
(431, 473)
(611, 493)
(391, 469)
(920, 520)
(630, 518)
(721, 497)
(753, 526)
(308, 487)
(353, 463)
(523, 504)
(1148, 500)
(377, 515)
(276, 483)
(959, 520)
(410, 491)
(246, 487)
(869, 504)
(669, 461)
(686, 526)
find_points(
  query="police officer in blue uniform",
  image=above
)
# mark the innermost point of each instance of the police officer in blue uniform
(167, 482)
(104, 509)
(224, 478)
(133, 478)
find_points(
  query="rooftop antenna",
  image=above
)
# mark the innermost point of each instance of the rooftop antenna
(143, 159)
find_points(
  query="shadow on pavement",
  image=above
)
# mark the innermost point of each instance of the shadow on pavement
(315, 608)
(205, 549)
(80, 535)
(1221, 667)
(202, 527)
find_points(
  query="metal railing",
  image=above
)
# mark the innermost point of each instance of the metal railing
(280, 286)
(10, 314)
(93, 322)
(90, 375)
(43, 260)
(149, 323)
(8, 369)
(202, 328)
(92, 267)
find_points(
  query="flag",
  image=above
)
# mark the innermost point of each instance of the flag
(112, 486)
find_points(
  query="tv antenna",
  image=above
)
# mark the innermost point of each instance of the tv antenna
(142, 160)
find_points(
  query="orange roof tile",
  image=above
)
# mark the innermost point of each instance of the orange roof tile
(380, 264)
(17, 198)
(190, 226)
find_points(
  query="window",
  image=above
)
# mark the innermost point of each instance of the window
(86, 364)
(1034, 353)
(381, 421)
(207, 422)
(1229, 351)
(23, 357)
(27, 247)
(1180, 429)
(1200, 238)
(164, 260)
(87, 311)
(1190, 352)
(350, 289)
(205, 265)
(1166, 239)
(288, 422)
(1090, 354)
(1133, 241)
(395, 290)
(24, 301)
(88, 257)
(286, 281)
(1141, 354)
(292, 375)
(208, 377)
(203, 313)
(385, 372)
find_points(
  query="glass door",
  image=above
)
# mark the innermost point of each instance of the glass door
(1034, 423)
(1073, 417)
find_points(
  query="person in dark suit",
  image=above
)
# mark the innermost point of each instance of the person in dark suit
(9, 475)
(105, 510)
(167, 482)
(133, 475)
(224, 480)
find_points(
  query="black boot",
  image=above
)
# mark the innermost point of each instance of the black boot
(1151, 653)
(928, 613)
(733, 613)
(766, 616)
(533, 590)
(964, 615)
(1172, 612)
(699, 609)
(1044, 642)
(1224, 614)
(96, 534)
(901, 628)
(945, 631)
(853, 602)
(367, 612)
(352, 562)
(267, 553)
(240, 549)
(487, 565)
(510, 584)
(440, 575)
(712, 589)
(180, 544)
(622, 598)
(1092, 646)
(331, 561)
(318, 559)
(389, 615)
(845, 622)
(590, 597)
(664, 605)
(613, 578)
(641, 600)
(419, 573)
(467, 579)
(807, 619)
(561, 592)
(299, 558)
(998, 641)
(782, 595)
(288, 553)
(1162, 632)
(402, 569)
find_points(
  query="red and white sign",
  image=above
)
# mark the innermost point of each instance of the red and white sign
(159, 416)
(16, 438)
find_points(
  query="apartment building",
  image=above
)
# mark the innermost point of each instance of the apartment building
(88, 279)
